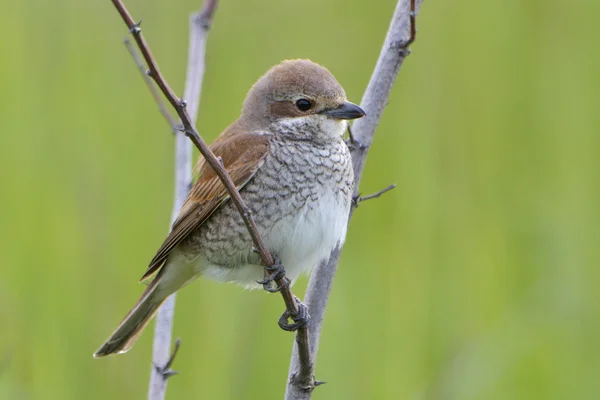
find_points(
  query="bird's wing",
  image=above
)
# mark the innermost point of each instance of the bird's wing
(242, 155)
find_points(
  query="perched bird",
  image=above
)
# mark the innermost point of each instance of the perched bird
(288, 159)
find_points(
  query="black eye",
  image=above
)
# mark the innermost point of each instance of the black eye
(303, 104)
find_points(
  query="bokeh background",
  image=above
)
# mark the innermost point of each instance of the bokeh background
(477, 278)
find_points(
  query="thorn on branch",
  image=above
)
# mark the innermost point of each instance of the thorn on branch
(165, 371)
(135, 28)
(305, 383)
(356, 200)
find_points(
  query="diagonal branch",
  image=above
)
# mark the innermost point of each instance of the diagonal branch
(395, 49)
(180, 107)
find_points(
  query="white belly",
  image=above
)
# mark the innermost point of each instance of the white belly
(301, 241)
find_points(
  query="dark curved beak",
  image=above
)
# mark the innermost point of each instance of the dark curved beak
(345, 111)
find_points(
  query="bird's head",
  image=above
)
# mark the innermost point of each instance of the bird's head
(300, 99)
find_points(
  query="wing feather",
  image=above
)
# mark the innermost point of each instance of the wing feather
(242, 154)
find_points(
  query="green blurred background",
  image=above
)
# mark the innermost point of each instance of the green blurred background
(475, 279)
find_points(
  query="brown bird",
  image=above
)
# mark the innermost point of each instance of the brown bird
(288, 159)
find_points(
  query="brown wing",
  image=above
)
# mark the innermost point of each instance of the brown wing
(242, 154)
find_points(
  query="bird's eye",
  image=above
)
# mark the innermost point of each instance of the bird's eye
(303, 105)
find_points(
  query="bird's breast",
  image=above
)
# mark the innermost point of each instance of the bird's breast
(300, 200)
(310, 189)
(304, 238)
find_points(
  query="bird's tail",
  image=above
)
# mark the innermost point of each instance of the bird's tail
(128, 331)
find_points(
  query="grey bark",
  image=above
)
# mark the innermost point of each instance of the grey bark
(375, 98)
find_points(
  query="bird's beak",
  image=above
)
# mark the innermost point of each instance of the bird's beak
(345, 111)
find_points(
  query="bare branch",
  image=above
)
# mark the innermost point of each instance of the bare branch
(181, 107)
(400, 35)
(374, 195)
(395, 50)
(190, 131)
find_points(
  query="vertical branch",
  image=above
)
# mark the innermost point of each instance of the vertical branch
(400, 35)
(199, 26)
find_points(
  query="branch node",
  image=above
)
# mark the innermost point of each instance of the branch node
(401, 46)
(356, 145)
(246, 212)
(182, 104)
(204, 17)
(135, 28)
(305, 383)
(353, 143)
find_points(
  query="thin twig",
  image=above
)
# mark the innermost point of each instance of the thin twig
(175, 127)
(190, 131)
(350, 136)
(395, 49)
(199, 26)
(360, 199)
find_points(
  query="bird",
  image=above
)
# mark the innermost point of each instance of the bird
(287, 156)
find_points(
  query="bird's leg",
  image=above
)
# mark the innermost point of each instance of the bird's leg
(300, 320)
(272, 274)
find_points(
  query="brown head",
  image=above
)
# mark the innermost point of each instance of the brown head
(300, 97)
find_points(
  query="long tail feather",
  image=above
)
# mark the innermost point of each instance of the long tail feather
(128, 331)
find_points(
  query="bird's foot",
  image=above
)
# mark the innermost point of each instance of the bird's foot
(300, 320)
(274, 273)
